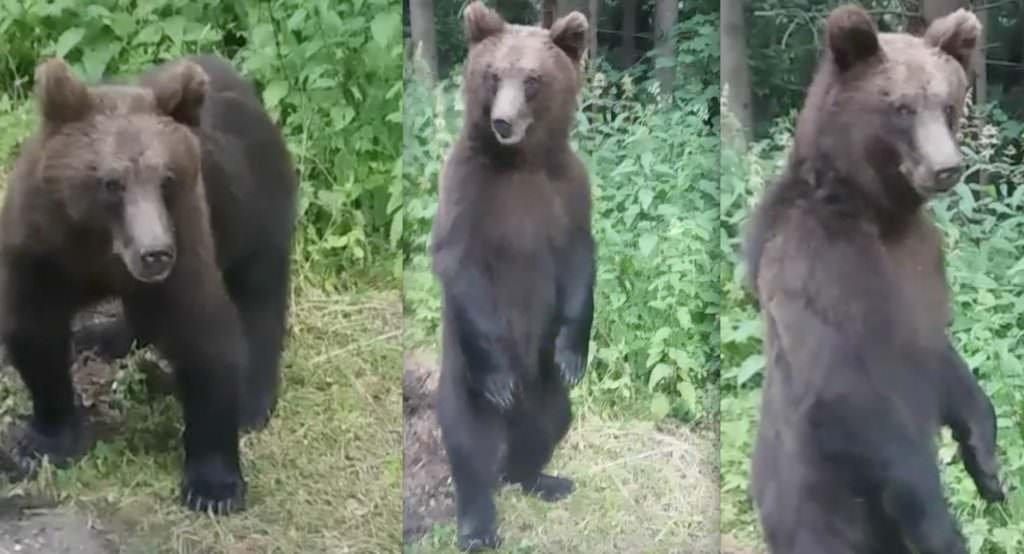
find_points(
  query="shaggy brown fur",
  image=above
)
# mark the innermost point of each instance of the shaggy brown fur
(513, 251)
(849, 273)
(177, 199)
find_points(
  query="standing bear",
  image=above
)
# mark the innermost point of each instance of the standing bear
(174, 193)
(514, 255)
(849, 272)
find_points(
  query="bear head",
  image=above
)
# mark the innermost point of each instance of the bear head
(883, 109)
(119, 157)
(520, 81)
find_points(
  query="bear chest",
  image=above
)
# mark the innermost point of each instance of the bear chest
(916, 266)
(524, 218)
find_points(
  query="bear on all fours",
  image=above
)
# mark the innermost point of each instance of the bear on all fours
(512, 249)
(848, 269)
(174, 193)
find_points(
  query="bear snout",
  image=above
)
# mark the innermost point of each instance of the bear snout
(502, 127)
(157, 262)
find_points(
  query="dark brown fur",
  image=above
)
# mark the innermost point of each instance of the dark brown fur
(513, 252)
(214, 169)
(849, 273)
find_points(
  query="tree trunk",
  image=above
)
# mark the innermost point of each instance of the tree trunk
(629, 32)
(981, 61)
(735, 68)
(548, 8)
(424, 40)
(933, 9)
(666, 12)
(593, 18)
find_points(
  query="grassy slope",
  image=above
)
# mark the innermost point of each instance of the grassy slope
(324, 477)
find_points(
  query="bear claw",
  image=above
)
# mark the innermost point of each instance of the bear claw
(208, 488)
(62, 449)
(499, 389)
(549, 488)
(477, 542)
(570, 367)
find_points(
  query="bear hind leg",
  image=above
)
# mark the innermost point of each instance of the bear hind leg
(532, 442)
(260, 292)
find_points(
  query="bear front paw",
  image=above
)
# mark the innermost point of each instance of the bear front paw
(213, 487)
(984, 475)
(499, 389)
(479, 543)
(62, 446)
(571, 365)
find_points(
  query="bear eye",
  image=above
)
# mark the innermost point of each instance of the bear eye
(167, 182)
(905, 110)
(113, 186)
(531, 84)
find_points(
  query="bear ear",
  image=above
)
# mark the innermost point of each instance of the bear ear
(481, 22)
(851, 36)
(570, 34)
(180, 91)
(62, 97)
(956, 34)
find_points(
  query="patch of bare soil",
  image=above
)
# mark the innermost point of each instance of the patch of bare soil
(427, 493)
(49, 530)
(32, 526)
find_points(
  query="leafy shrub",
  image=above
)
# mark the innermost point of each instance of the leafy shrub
(329, 72)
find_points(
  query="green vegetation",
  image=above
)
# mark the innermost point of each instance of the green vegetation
(324, 477)
(984, 240)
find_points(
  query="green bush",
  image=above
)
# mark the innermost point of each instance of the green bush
(329, 72)
(653, 166)
(984, 241)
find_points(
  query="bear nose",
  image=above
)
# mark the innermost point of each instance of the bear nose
(157, 260)
(502, 127)
(947, 177)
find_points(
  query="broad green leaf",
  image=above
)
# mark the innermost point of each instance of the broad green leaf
(68, 40)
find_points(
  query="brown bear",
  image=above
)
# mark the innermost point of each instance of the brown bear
(514, 255)
(848, 270)
(174, 193)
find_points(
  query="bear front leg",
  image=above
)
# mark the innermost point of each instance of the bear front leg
(576, 309)
(470, 302)
(37, 337)
(198, 331)
(968, 411)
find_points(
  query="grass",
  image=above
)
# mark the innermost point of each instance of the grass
(325, 476)
(641, 487)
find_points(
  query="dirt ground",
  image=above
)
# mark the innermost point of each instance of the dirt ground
(426, 488)
(49, 530)
(39, 525)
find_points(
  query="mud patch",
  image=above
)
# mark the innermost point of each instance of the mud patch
(428, 497)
